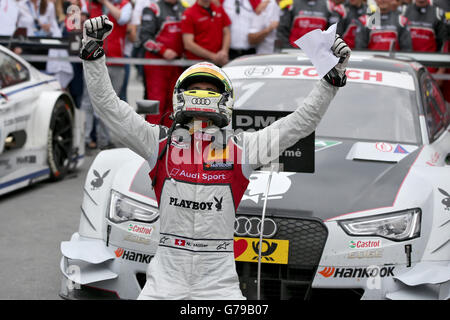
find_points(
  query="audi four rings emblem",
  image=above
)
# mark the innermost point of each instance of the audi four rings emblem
(202, 101)
(244, 226)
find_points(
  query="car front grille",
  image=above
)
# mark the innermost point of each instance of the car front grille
(307, 238)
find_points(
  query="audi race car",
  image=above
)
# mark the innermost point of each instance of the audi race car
(370, 221)
(41, 131)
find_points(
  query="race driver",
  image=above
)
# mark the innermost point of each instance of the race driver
(199, 170)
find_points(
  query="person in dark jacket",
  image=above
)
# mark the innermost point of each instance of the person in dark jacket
(303, 16)
(348, 25)
(383, 30)
(427, 27)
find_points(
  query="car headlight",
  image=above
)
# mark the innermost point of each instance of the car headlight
(397, 226)
(123, 209)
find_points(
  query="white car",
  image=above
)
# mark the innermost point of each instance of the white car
(41, 131)
(371, 222)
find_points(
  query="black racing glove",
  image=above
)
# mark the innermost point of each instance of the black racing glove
(336, 76)
(95, 31)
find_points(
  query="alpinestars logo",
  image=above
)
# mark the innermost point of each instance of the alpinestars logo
(132, 256)
(367, 272)
(195, 205)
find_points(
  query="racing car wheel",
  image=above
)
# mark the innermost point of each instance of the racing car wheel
(60, 140)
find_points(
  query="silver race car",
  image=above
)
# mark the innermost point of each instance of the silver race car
(41, 131)
(370, 221)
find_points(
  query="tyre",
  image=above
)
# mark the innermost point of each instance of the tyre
(60, 140)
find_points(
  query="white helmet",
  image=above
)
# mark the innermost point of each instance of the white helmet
(188, 104)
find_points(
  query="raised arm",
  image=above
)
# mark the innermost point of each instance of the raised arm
(132, 130)
(264, 146)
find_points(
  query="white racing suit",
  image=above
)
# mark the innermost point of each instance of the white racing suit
(198, 196)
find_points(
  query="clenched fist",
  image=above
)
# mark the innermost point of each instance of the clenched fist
(341, 50)
(95, 31)
(337, 76)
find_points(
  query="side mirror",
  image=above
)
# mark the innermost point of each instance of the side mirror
(147, 106)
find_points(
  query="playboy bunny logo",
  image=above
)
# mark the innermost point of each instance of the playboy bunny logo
(445, 201)
(98, 182)
(218, 203)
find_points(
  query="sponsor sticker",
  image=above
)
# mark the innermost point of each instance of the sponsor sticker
(136, 239)
(365, 244)
(196, 205)
(132, 256)
(383, 147)
(97, 182)
(272, 251)
(366, 254)
(376, 77)
(218, 166)
(446, 200)
(26, 159)
(400, 149)
(176, 172)
(434, 158)
(324, 144)
(139, 229)
(218, 154)
(363, 272)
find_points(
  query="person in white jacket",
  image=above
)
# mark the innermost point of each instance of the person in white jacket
(199, 170)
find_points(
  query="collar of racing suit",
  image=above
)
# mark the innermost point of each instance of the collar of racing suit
(201, 130)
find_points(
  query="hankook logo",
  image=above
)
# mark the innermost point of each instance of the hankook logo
(372, 271)
(201, 101)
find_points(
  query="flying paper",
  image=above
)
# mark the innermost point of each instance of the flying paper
(317, 46)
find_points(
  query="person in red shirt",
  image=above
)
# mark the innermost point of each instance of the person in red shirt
(119, 12)
(160, 35)
(206, 32)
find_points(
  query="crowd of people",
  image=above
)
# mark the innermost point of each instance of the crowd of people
(217, 31)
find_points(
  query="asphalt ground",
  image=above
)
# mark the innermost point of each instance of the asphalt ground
(34, 222)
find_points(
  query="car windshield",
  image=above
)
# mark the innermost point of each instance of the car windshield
(359, 111)
(11, 71)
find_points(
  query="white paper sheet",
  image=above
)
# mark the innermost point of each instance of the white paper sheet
(317, 46)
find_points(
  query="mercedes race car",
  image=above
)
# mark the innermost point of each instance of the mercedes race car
(41, 131)
(371, 220)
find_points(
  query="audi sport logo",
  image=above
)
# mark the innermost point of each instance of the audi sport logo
(251, 227)
(201, 101)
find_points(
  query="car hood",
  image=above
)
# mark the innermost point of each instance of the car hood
(349, 176)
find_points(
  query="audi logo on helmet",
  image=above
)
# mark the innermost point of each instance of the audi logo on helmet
(201, 101)
(251, 227)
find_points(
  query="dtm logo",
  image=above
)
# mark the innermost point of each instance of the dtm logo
(201, 101)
